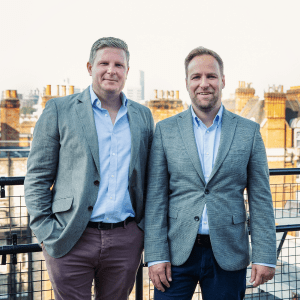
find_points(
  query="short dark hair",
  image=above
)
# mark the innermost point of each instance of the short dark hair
(110, 42)
(202, 51)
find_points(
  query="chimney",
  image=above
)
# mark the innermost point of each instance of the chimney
(155, 94)
(57, 90)
(10, 118)
(71, 89)
(177, 95)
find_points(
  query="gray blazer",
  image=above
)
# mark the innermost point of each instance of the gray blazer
(177, 193)
(65, 154)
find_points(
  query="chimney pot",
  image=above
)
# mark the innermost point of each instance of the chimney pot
(71, 89)
(161, 93)
(177, 95)
(64, 93)
(48, 90)
(172, 94)
(7, 94)
(14, 94)
(166, 94)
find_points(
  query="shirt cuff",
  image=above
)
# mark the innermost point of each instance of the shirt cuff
(267, 265)
(152, 263)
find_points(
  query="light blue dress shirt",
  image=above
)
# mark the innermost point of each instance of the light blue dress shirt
(113, 202)
(208, 142)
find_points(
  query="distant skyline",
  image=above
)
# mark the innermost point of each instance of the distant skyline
(45, 42)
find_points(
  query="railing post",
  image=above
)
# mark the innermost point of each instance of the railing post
(139, 283)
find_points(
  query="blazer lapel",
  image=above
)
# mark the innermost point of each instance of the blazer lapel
(135, 132)
(185, 123)
(86, 117)
(229, 123)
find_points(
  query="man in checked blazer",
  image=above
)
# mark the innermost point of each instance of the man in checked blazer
(86, 180)
(200, 163)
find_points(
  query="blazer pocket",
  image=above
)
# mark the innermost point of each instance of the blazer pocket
(61, 205)
(239, 218)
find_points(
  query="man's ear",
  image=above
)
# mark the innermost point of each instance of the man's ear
(223, 81)
(89, 68)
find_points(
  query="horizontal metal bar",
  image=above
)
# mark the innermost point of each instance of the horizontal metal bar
(273, 172)
(284, 228)
(23, 248)
(12, 180)
(286, 171)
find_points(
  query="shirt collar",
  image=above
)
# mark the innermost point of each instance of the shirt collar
(94, 98)
(217, 119)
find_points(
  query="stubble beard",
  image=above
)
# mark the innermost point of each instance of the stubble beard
(208, 107)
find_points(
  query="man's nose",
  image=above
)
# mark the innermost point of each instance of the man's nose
(111, 70)
(204, 82)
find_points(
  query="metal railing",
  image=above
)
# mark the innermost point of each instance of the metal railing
(23, 274)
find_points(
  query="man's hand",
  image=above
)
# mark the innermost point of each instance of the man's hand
(160, 273)
(261, 274)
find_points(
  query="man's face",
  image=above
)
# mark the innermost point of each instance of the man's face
(204, 83)
(109, 71)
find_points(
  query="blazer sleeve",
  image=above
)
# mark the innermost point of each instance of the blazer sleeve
(41, 172)
(156, 224)
(262, 222)
(150, 128)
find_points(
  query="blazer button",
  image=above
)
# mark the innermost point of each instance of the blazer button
(196, 218)
(96, 182)
(90, 208)
(206, 191)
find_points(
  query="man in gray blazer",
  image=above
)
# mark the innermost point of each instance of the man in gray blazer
(86, 179)
(201, 161)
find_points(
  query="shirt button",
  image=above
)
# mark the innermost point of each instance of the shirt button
(96, 182)
(110, 197)
(90, 208)
(196, 218)
(206, 191)
(112, 176)
(114, 154)
(205, 222)
(105, 115)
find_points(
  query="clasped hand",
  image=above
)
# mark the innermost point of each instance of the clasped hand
(160, 274)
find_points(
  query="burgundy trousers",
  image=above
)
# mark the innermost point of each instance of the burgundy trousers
(110, 257)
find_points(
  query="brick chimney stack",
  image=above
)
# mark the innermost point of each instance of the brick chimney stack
(10, 118)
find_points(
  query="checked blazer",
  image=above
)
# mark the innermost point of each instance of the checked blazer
(65, 155)
(177, 193)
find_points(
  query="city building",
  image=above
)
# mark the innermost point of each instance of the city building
(279, 117)
(137, 92)
(165, 105)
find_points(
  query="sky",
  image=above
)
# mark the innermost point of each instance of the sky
(47, 42)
